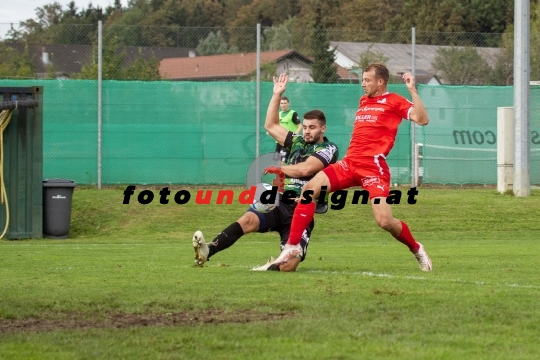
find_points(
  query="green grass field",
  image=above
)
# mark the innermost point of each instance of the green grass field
(124, 285)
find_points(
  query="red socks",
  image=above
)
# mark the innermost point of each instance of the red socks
(303, 214)
(406, 238)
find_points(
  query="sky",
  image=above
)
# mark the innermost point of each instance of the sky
(15, 11)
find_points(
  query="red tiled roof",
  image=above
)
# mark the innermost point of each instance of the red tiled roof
(220, 66)
(345, 74)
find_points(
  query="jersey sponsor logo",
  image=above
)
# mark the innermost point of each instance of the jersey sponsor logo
(296, 181)
(381, 187)
(371, 180)
(327, 153)
(382, 101)
(367, 118)
(343, 165)
(367, 108)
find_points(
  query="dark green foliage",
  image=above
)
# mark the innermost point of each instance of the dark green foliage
(114, 67)
(485, 16)
(323, 70)
(461, 66)
(14, 64)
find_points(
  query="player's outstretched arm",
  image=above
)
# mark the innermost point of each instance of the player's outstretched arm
(311, 166)
(271, 124)
(418, 113)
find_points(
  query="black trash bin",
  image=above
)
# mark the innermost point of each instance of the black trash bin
(57, 199)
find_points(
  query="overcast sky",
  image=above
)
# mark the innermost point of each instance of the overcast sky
(15, 11)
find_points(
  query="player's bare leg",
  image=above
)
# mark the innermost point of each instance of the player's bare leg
(303, 215)
(384, 218)
(249, 222)
(288, 266)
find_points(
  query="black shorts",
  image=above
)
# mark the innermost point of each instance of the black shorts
(280, 220)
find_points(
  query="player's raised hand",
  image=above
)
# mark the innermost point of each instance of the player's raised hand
(410, 82)
(280, 83)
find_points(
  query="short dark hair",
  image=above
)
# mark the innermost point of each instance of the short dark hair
(381, 71)
(285, 98)
(316, 114)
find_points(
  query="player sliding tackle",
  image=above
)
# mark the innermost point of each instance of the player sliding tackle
(308, 154)
(377, 119)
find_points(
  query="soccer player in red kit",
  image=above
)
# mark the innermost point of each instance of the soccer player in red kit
(377, 119)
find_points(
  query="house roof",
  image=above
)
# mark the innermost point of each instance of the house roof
(225, 66)
(400, 55)
(346, 74)
(68, 58)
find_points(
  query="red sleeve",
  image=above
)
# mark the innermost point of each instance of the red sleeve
(402, 106)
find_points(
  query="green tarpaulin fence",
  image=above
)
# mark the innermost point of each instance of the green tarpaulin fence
(460, 143)
(205, 132)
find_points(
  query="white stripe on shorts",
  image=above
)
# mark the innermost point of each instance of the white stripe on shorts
(376, 159)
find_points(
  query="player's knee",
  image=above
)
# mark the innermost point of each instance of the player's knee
(309, 186)
(249, 222)
(312, 188)
(385, 222)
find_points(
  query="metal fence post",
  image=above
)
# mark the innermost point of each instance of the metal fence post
(414, 159)
(258, 100)
(522, 186)
(100, 66)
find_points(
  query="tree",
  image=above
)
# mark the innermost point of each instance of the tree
(268, 71)
(462, 66)
(199, 17)
(213, 44)
(14, 64)
(143, 70)
(265, 12)
(493, 16)
(113, 66)
(503, 71)
(369, 57)
(323, 70)
(371, 15)
(504, 66)
(433, 17)
(42, 30)
(276, 38)
(535, 41)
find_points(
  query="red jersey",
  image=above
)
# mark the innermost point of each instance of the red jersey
(376, 124)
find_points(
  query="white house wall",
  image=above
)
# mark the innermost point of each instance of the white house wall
(298, 71)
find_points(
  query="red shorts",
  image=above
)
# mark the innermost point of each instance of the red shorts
(370, 172)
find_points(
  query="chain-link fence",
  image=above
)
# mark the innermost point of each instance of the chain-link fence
(193, 118)
(209, 54)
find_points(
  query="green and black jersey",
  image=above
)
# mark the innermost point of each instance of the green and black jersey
(299, 151)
